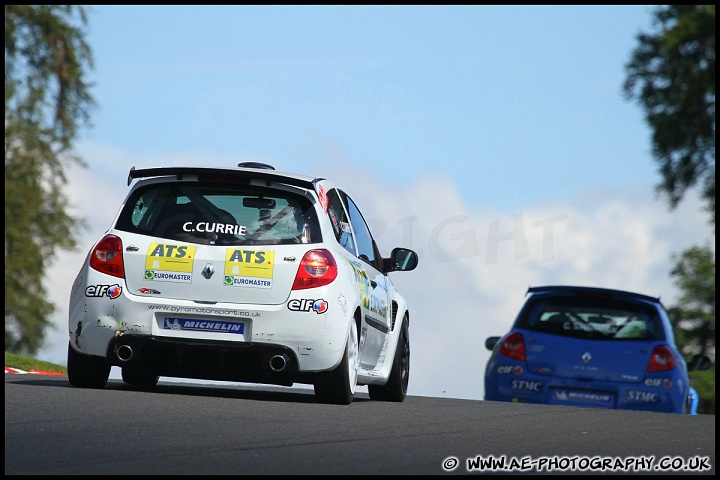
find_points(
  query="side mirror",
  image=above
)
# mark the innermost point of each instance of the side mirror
(699, 362)
(490, 342)
(401, 260)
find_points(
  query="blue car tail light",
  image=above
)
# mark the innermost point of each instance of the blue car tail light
(513, 346)
(661, 360)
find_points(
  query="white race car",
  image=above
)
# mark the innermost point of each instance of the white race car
(241, 274)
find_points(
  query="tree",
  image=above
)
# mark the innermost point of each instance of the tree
(694, 316)
(672, 75)
(47, 100)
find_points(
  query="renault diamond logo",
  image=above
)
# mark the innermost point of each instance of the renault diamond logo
(586, 357)
(208, 271)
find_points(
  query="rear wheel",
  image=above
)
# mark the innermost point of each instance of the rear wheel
(396, 387)
(338, 386)
(87, 371)
(139, 378)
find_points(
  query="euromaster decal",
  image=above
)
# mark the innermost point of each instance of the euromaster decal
(169, 263)
(249, 268)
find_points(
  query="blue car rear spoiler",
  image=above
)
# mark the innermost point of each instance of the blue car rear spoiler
(591, 290)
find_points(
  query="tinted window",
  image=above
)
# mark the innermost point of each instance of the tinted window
(363, 237)
(219, 214)
(591, 319)
(340, 222)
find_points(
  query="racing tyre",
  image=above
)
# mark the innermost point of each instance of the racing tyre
(87, 371)
(338, 386)
(396, 387)
(139, 378)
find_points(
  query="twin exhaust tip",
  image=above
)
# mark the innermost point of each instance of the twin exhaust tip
(277, 363)
(124, 353)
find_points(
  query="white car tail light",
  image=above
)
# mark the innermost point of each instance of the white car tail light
(107, 256)
(316, 269)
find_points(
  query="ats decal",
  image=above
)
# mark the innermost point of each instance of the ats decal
(169, 263)
(249, 268)
(305, 305)
(111, 291)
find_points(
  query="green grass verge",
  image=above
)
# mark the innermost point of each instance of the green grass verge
(21, 362)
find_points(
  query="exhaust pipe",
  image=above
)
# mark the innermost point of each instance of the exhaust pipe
(124, 353)
(279, 362)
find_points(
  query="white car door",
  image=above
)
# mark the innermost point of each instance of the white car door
(376, 310)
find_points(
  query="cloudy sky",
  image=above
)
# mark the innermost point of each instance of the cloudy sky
(493, 140)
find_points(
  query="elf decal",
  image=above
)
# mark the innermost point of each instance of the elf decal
(249, 268)
(110, 291)
(305, 305)
(169, 263)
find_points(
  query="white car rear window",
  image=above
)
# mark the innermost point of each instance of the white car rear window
(220, 214)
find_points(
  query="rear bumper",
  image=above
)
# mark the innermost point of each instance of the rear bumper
(666, 396)
(207, 359)
(233, 342)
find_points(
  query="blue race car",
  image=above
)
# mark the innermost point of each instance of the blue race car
(591, 347)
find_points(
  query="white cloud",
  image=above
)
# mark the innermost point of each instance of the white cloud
(475, 265)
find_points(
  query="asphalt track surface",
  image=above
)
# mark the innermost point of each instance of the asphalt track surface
(52, 428)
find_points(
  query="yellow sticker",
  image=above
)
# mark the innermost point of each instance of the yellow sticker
(249, 263)
(169, 263)
(170, 258)
(362, 281)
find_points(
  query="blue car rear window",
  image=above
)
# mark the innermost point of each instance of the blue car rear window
(594, 319)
